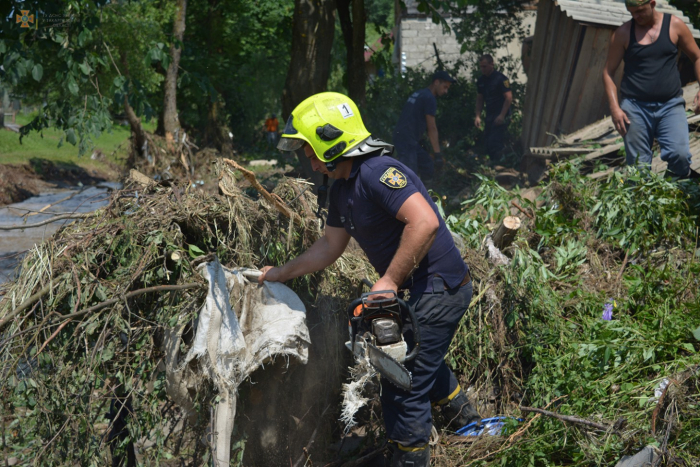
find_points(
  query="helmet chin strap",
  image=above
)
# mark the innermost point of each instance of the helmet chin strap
(321, 199)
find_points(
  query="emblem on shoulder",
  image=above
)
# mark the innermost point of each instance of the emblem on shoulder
(393, 178)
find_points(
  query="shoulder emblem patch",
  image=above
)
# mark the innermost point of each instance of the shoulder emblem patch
(506, 83)
(393, 178)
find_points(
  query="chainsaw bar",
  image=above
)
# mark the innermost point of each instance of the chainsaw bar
(389, 367)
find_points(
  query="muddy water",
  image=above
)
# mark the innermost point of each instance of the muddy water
(15, 243)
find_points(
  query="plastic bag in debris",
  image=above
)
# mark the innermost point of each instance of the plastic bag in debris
(487, 426)
(242, 324)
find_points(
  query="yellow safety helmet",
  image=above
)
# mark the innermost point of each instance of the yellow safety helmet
(330, 122)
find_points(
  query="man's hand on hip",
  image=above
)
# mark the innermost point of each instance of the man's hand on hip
(620, 120)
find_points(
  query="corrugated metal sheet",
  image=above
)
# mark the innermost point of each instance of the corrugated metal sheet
(612, 12)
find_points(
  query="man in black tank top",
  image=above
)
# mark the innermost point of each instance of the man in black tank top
(652, 104)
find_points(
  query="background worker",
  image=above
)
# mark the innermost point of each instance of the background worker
(652, 98)
(493, 88)
(271, 127)
(417, 115)
(384, 206)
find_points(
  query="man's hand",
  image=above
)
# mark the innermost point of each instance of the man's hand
(696, 103)
(477, 121)
(620, 120)
(384, 283)
(498, 121)
(271, 274)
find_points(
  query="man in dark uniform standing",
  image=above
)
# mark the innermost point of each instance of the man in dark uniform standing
(417, 115)
(652, 98)
(384, 206)
(493, 88)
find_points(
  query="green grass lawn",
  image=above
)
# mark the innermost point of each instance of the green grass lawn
(114, 145)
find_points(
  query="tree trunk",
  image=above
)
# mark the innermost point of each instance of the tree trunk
(313, 27)
(137, 132)
(352, 22)
(505, 233)
(171, 123)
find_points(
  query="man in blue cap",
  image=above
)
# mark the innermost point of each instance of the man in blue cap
(418, 114)
(652, 104)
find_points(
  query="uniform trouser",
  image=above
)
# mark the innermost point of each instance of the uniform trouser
(416, 158)
(407, 414)
(665, 121)
(495, 138)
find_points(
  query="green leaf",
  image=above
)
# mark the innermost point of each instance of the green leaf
(37, 72)
(70, 136)
(696, 334)
(194, 251)
(85, 68)
(72, 86)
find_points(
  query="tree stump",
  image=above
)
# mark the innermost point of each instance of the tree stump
(505, 233)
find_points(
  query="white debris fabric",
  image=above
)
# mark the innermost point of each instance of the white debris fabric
(240, 326)
(353, 400)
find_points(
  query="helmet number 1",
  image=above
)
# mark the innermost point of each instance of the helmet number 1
(345, 110)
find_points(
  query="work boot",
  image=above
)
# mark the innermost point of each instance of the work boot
(403, 457)
(459, 412)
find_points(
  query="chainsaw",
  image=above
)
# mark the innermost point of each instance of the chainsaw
(376, 332)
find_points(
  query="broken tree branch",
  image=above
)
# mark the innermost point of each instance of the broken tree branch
(570, 419)
(521, 209)
(48, 221)
(26, 304)
(276, 202)
(505, 233)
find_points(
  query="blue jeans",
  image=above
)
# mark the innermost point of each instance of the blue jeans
(416, 158)
(665, 121)
(407, 414)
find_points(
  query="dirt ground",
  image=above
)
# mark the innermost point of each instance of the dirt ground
(19, 182)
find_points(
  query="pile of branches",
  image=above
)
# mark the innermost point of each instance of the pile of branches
(82, 378)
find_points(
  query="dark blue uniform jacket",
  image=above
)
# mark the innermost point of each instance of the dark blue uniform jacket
(366, 205)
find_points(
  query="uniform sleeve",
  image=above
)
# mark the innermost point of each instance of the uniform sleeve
(504, 85)
(388, 186)
(333, 219)
(429, 105)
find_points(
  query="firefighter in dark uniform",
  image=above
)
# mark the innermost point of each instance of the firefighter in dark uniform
(493, 88)
(383, 205)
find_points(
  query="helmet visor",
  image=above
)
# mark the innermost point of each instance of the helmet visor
(290, 144)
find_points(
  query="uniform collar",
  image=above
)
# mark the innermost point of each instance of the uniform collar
(358, 161)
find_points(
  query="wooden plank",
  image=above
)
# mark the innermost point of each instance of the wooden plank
(559, 73)
(592, 105)
(572, 58)
(539, 137)
(544, 11)
(579, 79)
(590, 132)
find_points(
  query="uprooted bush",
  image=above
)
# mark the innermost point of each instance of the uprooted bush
(82, 330)
(596, 317)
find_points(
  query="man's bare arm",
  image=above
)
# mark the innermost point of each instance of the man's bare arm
(479, 108)
(433, 133)
(322, 254)
(500, 118)
(687, 44)
(418, 236)
(615, 54)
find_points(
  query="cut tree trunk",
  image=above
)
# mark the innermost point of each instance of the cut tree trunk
(505, 233)
(171, 122)
(313, 26)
